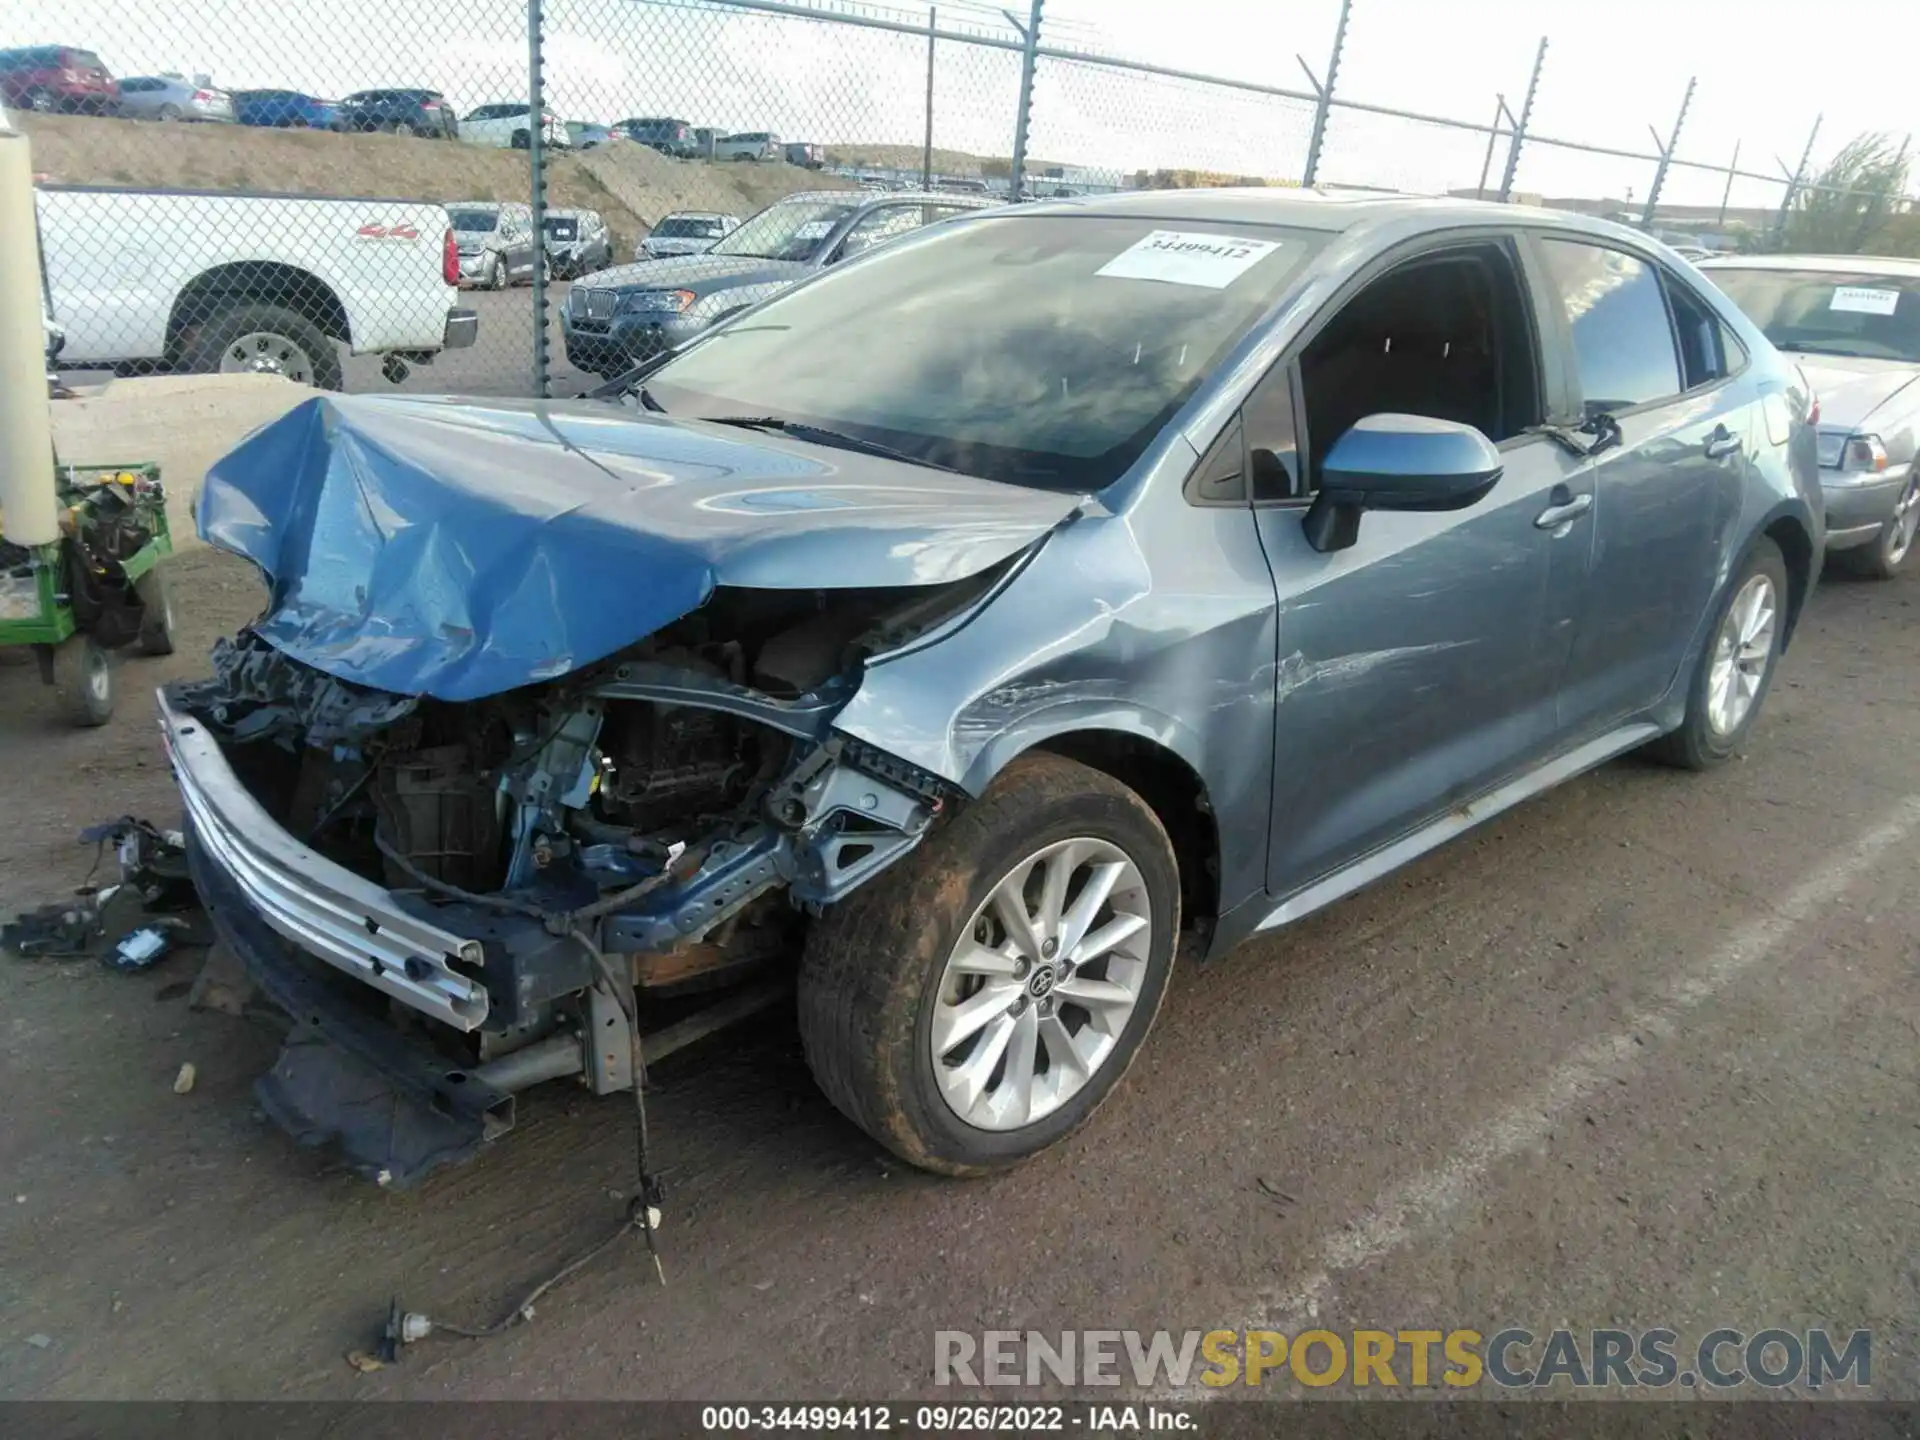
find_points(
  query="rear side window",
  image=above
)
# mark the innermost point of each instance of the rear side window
(1617, 319)
(1707, 351)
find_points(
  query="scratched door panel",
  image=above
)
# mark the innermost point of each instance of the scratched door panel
(1415, 670)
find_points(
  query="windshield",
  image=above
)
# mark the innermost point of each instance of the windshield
(1812, 312)
(471, 220)
(790, 230)
(1043, 350)
(682, 226)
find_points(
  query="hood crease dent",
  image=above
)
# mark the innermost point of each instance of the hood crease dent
(458, 549)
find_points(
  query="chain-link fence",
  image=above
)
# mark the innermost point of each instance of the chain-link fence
(387, 192)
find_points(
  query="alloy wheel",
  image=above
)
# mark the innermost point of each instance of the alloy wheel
(1906, 520)
(1036, 995)
(1742, 651)
(262, 352)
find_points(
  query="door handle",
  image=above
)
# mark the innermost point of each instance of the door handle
(1721, 444)
(1554, 516)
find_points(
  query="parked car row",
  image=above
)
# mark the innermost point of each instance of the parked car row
(636, 311)
(67, 79)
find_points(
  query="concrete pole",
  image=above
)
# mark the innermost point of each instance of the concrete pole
(28, 513)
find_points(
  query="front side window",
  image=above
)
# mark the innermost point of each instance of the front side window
(790, 230)
(1617, 319)
(1041, 350)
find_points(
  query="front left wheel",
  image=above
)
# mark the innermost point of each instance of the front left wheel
(979, 1001)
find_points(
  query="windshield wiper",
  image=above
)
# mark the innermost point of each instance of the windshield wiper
(1803, 347)
(822, 436)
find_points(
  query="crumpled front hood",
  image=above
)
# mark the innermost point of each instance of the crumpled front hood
(1850, 389)
(460, 548)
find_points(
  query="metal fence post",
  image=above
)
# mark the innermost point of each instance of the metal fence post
(1793, 181)
(1029, 57)
(1493, 136)
(1666, 155)
(1520, 125)
(537, 165)
(1726, 194)
(926, 151)
(1323, 91)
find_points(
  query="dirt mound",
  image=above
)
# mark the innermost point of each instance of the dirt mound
(629, 184)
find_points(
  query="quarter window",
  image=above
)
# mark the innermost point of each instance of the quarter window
(1617, 319)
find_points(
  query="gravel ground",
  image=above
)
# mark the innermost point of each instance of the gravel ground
(1639, 1053)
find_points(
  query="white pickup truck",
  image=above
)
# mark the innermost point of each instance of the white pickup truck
(213, 280)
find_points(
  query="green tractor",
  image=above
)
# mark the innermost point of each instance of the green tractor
(97, 589)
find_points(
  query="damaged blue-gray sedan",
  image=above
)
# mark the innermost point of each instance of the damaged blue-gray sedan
(950, 641)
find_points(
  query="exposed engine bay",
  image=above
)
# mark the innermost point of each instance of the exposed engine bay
(662, 822)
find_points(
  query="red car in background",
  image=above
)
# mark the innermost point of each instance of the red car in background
(50, 78)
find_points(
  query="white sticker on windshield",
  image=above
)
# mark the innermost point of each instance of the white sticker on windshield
(1189, 257)
(813, 230)
(1865, 301)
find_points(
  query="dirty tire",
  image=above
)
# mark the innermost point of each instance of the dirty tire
(870, 977)
(83, 681)
(156, 625)
(323, 360)
(1697, 745)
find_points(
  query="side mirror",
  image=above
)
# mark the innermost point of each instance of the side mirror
(1398, 462)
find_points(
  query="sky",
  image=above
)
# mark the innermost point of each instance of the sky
(1613, 68)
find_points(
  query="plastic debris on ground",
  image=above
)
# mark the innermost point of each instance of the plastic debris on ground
(131, 924)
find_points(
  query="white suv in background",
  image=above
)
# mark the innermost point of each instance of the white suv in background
(749, 145)
(508, 127)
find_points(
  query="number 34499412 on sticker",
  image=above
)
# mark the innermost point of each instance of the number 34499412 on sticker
(1189, 257)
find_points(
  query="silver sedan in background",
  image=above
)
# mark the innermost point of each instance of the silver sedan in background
(1853, 323)
(685, 232)
(173, 97)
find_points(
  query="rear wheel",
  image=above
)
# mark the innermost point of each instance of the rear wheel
(1736, 668)
(977, 1003)
(407, 127)
(1882, 559)
(41, 102)
(169, 112)
(266, 340)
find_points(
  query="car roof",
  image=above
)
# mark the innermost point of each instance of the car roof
(867, 200)
(1830, 264)
(1328, 210)
(697, 215)
(561, 213)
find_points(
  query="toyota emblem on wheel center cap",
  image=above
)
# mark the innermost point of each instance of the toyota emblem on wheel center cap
(1041, 981)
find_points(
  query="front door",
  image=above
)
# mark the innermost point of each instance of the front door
(1415, 670)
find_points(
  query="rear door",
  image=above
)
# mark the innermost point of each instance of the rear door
(1666, 494)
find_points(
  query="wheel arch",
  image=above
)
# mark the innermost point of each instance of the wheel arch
(1790, 533)
(1170, 785)
(251, 282)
